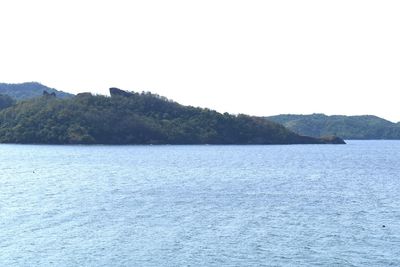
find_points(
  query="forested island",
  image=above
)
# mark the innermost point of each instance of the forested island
(348, 127)
(133, 118)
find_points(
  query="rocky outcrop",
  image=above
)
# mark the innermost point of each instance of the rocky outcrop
(52, 94)
(85, 94)
(118, 92)
(333, 140)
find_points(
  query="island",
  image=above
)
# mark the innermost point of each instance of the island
(134, 118)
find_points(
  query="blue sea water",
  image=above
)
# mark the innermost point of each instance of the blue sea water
(294, 205)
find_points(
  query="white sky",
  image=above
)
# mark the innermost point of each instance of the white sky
(255, 57)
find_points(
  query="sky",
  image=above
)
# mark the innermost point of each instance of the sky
(254, 57)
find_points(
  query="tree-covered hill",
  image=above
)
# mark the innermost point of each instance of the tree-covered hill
(134, 118)
(21, 91)
(347, 127)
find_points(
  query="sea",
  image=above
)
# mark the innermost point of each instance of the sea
(200, 205)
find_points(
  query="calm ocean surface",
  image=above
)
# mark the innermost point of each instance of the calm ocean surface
(298, 205)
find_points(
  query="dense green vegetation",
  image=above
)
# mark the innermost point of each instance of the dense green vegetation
(134, 118)
(21, 91)
(347, 127)
(6, 101)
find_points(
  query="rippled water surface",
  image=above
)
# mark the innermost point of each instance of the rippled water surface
(300, 205)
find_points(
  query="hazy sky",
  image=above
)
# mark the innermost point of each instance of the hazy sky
(255, 57)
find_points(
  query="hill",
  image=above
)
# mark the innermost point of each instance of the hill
(135, 118)
(347, 127)
(22, 91)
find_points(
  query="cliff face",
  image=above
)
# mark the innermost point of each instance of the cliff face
(134, 118)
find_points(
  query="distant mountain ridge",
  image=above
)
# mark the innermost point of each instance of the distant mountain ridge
(28, 90)
(347, 127)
